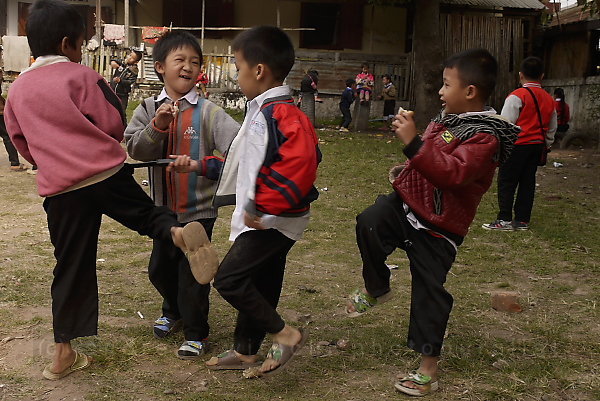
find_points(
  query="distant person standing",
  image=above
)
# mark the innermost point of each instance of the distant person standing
(563, 115)
(13, 155)
(388, 94)
(347, 99)
(531, 108)
(125, 75)
(308, 89)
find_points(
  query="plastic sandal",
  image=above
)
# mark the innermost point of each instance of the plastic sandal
(425, 384)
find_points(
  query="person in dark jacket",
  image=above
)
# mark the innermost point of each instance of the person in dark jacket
(436, 194)
(347, 99)
(125, 75)
(308, 91)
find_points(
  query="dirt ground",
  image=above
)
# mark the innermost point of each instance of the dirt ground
(26, 340)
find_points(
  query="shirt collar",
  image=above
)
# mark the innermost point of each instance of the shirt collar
(273, 92)
(46, 60)
(488, 111)
(191, 96)
(532, 85)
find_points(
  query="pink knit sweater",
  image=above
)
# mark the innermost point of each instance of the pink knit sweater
(64, 118)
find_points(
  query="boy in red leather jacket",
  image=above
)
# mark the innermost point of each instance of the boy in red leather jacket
(436, 194)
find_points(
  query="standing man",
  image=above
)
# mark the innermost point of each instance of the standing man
(531, 108)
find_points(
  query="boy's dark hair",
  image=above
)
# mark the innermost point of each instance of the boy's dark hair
(138, 54)
(475, 67)
(171, 41)
(365, 64)
(266, 45)
(350, 82)
(388, 76)
(559, 93)
(532, 67)
(49, 22)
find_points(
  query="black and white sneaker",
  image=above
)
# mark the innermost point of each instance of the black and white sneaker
(500, 225)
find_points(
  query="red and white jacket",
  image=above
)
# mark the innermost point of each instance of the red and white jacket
(450, 167)
(270, 167)
(519, 108)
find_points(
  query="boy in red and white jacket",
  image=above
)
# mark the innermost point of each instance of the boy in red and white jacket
(269, 172)
(436, 194)
(532, 109)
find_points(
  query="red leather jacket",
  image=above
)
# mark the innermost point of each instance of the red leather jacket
(450, 168)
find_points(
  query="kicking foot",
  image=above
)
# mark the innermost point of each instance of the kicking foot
(59, 369)
(361, 302)
(286, 345)
(232, 360)
(417, 384)
(194, 242)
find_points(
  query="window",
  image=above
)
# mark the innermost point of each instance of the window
(337, 25)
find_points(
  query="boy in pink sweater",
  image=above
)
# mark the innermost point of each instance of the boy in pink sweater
(64, 118)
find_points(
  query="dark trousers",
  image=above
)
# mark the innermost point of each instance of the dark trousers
(389, 108)
(13, 155)
(124, 98)
(517, 174)
(183, 296)
(346, 116)
(250, 279)
(380, 229)
(74, 223)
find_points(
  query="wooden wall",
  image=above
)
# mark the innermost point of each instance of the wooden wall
(506, 38)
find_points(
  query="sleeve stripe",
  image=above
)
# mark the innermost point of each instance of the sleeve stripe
(289, 183)
(267, 181)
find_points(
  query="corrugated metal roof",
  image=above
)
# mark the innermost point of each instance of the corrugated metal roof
(531, 4)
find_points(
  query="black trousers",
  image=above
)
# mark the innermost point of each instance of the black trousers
(517, 174)
(389, 107)
(74, 223)
(124, 98)
(183, 297)
(380, 229)
(250, 279)
(13, 155)
(346, 116)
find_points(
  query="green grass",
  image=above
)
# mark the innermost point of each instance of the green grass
(549, 350)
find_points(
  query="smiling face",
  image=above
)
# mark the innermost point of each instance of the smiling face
(247, 76)
(179, 71)
(454, 94)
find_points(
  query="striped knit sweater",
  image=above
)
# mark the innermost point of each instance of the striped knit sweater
(198, 130)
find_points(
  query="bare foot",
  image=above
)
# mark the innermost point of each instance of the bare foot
(288, 336)
(246, 358)
(64, 357)
(429, 367)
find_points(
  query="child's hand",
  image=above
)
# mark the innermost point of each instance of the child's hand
(164, 115)
(253, 221)
(405, 128)
(117, 79)
(182, 164)
(395, 172)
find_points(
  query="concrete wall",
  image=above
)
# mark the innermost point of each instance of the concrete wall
(583, 97)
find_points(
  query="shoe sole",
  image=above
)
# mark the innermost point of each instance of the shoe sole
(380, 300)
(486, 227)
(202, 258)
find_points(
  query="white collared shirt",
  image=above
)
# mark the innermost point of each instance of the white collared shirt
(251, 144)
(191, 96)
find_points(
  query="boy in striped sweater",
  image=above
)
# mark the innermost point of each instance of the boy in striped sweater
(179, 121)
